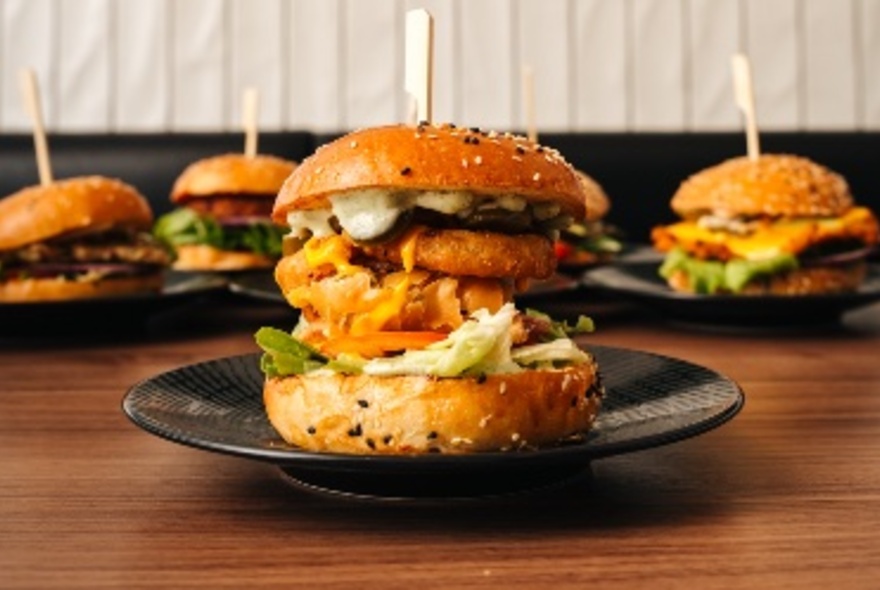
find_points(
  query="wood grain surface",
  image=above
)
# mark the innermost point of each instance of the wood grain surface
(787, 495)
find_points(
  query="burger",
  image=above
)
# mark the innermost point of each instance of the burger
(405, 248)
(591, 241)
(78, 238)
(223, 220)
(781, 225)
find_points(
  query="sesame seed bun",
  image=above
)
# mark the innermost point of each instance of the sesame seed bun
(232, 174)
(63, 289)
(596, 200)
(204, 257)
(777, 185)
(431, 158)
(38, 213)
(412, 414)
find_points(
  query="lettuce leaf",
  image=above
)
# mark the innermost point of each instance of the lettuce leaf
(712, 276)
(186, 227)
(285, 355)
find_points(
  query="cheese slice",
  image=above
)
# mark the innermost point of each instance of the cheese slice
(774, 238)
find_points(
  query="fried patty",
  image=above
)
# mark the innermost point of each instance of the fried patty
(222, 206)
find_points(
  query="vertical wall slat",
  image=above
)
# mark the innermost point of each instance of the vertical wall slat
(714, 27)
(373, 85)
(83, 66)
(869, 11)
(600, 65)
(487, 82)
(142, 72)
(772, 44)
(658, 65)
(547, 54)
(26, 35)
(830, 65)
(198, 84)
(443, 12)
(313, 76)
(255, 51)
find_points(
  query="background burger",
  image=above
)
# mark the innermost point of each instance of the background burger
(782, 225)
(406, 245)
(77, 238)
(223, 222)
(591, 241)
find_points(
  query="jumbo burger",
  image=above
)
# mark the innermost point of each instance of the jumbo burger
(590, 241)
(781, 225)
(405, 248)
(78, 238)
(223, 217)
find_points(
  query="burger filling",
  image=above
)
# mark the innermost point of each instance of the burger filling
(727, 254)
(417, 283)
(210, 222)
(86, 256)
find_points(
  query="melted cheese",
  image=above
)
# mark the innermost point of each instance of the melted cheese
(769, 239)
(333, 250)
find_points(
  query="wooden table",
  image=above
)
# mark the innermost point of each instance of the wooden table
(785, 495)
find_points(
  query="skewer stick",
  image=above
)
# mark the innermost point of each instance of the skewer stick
(528, 96)
(31, 94)
(249, 114)
(418, 82)
(744, 96)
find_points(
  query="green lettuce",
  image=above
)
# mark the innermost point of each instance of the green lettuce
(285, 355)
(712, 276)
(186, 227)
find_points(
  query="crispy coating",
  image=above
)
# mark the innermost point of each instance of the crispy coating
(477, 254)
(223, 206)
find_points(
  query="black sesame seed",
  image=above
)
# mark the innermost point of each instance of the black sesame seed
(311, 430)
(520, 150)
(423, 123)
(370, 443)
(574, 402)
(356, 431)
(386, 439)
(432, 435)
(539, 149)
(363, 403)
(481, 378)
(475, 129)
(450, 125)
(475, 140)
(406, 171)
(433, 450)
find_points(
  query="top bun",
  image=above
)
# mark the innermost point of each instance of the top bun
(38, 213)
(596, 200)
(777, 185)
(432, 158)
(235, 174)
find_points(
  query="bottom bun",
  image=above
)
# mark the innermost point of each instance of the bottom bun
(413, 414)
(202, 257)
(813, 280)
(62, 289)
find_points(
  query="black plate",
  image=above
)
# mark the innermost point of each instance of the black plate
(100, 313)
(651, 400)
(262, 286)
(638, 280)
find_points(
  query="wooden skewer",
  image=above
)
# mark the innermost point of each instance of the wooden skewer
(745, 100)
(528, 96)
(31, 95)
(418, 82)
(249, 115)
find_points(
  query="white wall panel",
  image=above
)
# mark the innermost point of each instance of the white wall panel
(868, 12)
(830, 65)
(199, 86)
(713, 28)
(445, 51)
(373, 62)
(141, 59)
(83, 96)
(486, 64)
(600, 57)
(548, 56)
(256, 56)
(658, 65)
(314, 87)
(772, 43)
(25, 34)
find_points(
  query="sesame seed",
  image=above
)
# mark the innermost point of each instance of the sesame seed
(478, 160)
(432, 435)
(464, 163)
(363, 403)
(387, 439)
(502, 388)
(514, 437)
(356, 431)
(311, 430)
(520, 149)
(517, 158)
(481, 378)
(371, 443)
(406, 171)
(536, 177)
(353, 144)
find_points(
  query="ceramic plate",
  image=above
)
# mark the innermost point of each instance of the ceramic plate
(651, 400)
(639, 281)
